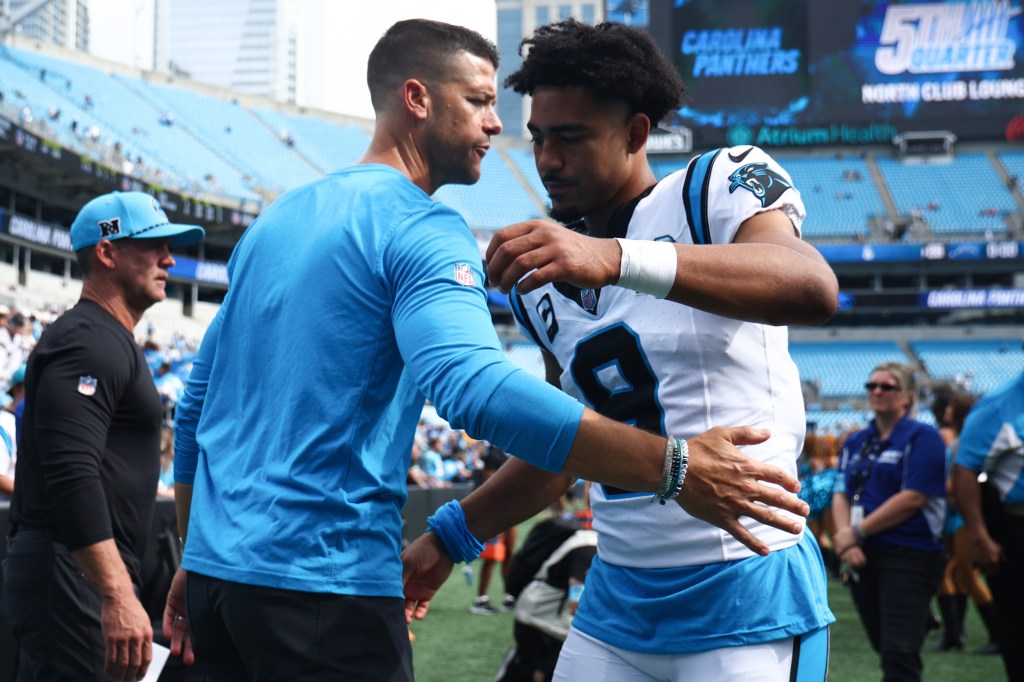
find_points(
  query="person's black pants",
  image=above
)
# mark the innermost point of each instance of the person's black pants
(534, 656)
(264, 634)
(53, 611)
(1007, 584)
(892, 598)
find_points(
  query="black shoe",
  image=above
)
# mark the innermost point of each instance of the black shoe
(946, 645)
(990, 648)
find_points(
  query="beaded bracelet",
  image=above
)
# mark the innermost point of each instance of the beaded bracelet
(677, 457)
(449, 524)
(668, 488)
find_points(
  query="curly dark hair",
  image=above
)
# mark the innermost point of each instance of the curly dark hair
(612, 60)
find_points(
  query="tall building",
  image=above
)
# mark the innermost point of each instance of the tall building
(246, 45)
(64, 22)
(517, 19)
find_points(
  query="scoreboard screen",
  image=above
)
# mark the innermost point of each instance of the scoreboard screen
(810, 72)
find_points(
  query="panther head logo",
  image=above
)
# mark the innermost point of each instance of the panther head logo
(761, 181)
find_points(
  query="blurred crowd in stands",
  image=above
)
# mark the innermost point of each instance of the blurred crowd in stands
(442, 456)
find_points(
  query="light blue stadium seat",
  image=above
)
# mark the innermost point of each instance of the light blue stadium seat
(328, 146)
(523, 160)
(497, 200)
(840, 368)
(839, 195)
(122, 116)
(963, 193)
(1013, 162)
(984, 363)
(838, 421)
(245, 141)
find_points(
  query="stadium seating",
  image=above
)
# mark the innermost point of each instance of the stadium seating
(838, 421)
(233, 132)
(328, 146)
(840, 368)
(508, 202)
(839, 195)
(124, 117)
(964, 196)
(1013, 163)
(979, 365)
(524, 163)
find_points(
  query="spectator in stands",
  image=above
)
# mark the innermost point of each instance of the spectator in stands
(889, 510)
(16, 342)
(456, 469)
(16, 406)
(9, 435)
(993, 511)
(432, 462)
(170, 387)
(263, 515)
(89, 456)
(165, 487)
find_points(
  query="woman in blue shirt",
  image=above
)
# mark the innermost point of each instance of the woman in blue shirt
(889, 510)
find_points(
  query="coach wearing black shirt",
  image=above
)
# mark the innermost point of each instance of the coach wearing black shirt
(89, 459)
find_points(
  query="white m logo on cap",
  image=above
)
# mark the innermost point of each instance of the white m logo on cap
(110, 228)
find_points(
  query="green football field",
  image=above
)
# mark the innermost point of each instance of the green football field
(453, 645)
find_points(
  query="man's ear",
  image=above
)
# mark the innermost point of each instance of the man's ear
(106, 254)
(638, 127)
(416, 99)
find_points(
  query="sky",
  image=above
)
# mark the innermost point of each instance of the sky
(122, 31)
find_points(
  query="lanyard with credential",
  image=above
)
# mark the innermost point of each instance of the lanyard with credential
(874, 446)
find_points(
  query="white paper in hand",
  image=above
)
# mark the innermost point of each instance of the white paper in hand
(160, 656)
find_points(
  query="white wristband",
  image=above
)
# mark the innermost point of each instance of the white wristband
(648, 267)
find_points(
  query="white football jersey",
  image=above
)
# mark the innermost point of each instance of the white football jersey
(673, 369)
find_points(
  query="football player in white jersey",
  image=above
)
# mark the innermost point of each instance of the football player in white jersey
(663, 305)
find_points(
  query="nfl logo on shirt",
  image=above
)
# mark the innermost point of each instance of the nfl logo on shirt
(87, 385)
(589, 300)
(464, 275)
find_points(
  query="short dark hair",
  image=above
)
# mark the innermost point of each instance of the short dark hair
(84, 256)
(612, 60)
(423, 49)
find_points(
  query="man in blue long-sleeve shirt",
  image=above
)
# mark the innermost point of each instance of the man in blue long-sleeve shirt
(369, 298)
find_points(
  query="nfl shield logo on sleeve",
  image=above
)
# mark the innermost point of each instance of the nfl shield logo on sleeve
(87, 385)
(464, 275)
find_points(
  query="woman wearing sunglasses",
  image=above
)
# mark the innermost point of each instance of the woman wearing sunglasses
(889, 509)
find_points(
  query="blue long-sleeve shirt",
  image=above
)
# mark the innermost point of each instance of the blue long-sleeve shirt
(351, 299)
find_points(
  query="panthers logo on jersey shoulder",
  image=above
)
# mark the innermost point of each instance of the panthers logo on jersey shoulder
(761, 181)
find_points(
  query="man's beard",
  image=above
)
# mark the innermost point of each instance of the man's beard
(565, 215)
